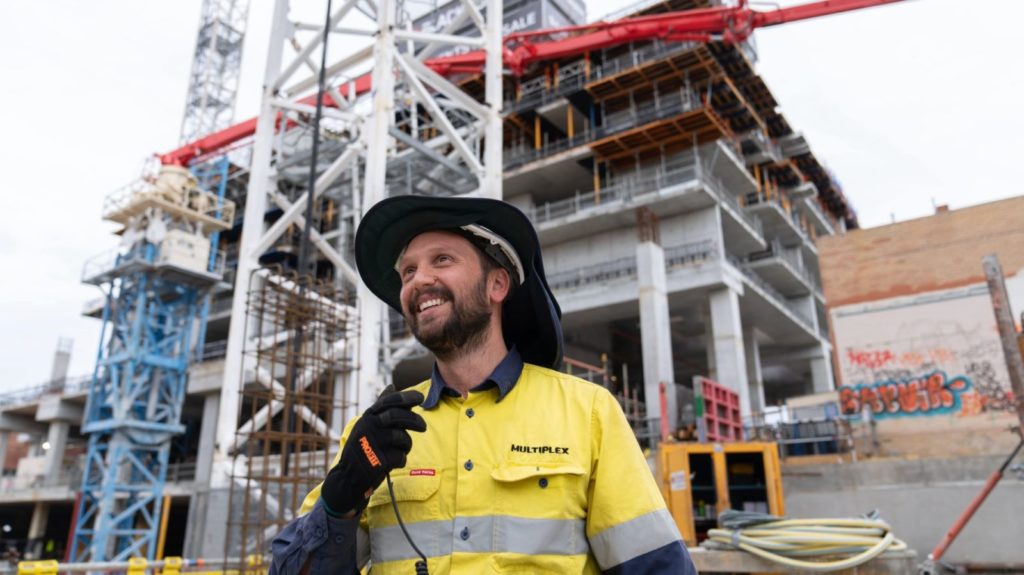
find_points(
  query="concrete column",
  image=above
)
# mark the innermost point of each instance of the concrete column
(5, 439)
(709, 346)
(57, 437)
(822, 379)
(752, 347)
(207, 438)
(61, 361)
(199, 512)
(655, 335)
(37, 528)
(730, 358)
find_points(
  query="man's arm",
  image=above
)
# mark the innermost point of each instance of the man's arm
(316, 544)
(629, 528)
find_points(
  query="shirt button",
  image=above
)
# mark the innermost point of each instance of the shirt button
(470, 412)
(465, 533)
(339, 539)
(319, 532)
(468, 465)
(543, 482)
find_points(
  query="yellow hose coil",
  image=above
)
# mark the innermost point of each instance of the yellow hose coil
(841, 543)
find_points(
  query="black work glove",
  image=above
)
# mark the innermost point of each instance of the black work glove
(378, 443)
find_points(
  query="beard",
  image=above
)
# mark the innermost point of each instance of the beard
(463, 331)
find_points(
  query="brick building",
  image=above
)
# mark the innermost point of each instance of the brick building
(915, 339)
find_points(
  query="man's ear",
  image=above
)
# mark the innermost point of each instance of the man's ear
(499, 285)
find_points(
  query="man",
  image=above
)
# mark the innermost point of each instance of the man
(512, 467)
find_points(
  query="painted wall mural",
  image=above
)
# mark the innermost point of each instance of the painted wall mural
(929, 354)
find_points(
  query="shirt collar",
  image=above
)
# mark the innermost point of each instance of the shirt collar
(504, 376)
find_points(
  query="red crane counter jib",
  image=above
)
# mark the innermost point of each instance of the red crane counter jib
(728, 24)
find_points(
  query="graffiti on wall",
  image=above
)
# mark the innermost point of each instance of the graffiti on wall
(932, 394)
(921, 355)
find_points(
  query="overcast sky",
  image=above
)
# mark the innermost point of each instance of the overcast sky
(910, 105)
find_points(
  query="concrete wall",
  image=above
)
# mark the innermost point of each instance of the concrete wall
(592, 250)
(921, 500)
(691, 227)
(930, 370)
(949, 335)
(621, 243)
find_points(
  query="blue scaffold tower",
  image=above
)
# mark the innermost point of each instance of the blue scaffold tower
(155, 285)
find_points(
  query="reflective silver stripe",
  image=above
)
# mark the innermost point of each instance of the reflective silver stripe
(434, 538)
(487, 534)
(527, 536)
(624, 541)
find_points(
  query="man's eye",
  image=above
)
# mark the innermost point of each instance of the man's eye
(443, 259)
(408, 272)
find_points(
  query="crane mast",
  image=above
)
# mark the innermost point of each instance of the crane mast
(155, 286)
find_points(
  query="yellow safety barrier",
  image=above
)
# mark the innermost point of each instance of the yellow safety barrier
(254, 565)
(137, 566)
(172, 565)
(38, 567)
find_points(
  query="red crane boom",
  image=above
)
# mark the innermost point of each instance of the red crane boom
(722, 23)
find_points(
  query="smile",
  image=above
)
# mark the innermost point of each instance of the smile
(425, 305)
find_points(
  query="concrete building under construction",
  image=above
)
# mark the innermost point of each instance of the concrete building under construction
(678, 210)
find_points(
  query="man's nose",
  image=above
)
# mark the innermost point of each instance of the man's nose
(423, 277)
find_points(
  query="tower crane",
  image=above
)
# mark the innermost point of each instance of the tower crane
(155, 286)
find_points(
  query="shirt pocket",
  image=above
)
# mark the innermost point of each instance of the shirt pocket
(417, 500)
(415, 496)
(540, 490)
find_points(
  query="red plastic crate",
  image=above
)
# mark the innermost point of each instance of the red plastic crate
(722, 420)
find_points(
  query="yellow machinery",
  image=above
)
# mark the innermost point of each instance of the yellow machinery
(700, 480)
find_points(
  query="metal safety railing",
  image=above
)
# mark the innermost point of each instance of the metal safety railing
(67, 385)
(773, 295)
(626, 268)
(573, 77)
(637, 115)
(105, 264)
(828, 220)
(622, 268)
(787, 259)
(639, 183)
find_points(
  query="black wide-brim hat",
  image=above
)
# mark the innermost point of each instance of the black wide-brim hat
(531, 317)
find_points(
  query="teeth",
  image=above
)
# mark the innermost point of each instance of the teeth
(431, 303)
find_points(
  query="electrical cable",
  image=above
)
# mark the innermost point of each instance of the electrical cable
(783, 541)
(421, 565)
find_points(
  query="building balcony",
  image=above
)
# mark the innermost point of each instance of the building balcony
(78, 385)
(665, 191)
(780, 222)
(826, 224)
(29, 484)
(608, 291)
(633, 120)
(796, 313)
(575, 76)
(758, 148)
(784, 270)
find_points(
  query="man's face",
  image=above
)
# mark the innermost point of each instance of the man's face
(444, 293)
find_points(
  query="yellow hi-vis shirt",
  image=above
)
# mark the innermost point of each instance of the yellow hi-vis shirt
(550, 479)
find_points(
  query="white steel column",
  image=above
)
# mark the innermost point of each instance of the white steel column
(372, 312)
(655, 335)
(262, 180)
(730, 359)
(491, 184)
